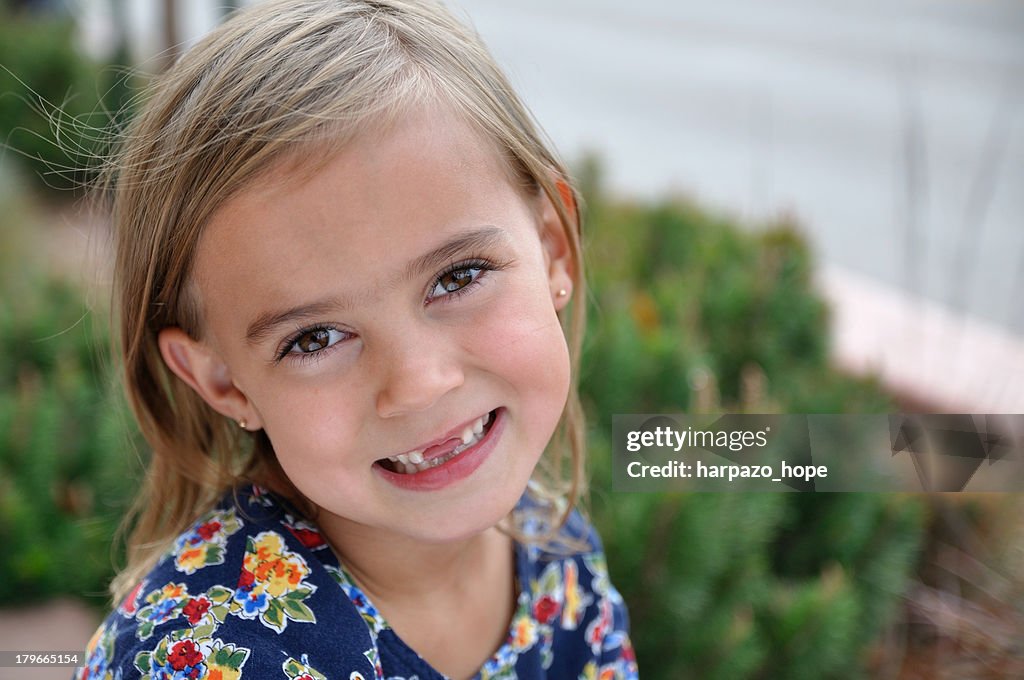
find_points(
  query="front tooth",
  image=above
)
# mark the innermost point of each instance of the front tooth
(403, 457)
(423, 466)
(467, 435)
(478, 426)
(415, 457)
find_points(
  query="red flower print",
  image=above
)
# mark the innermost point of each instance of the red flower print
(596, 633)
(307, 537)
(208, 530)
(195, 609)
(184, 653)
(246, 580)
(599, 627)
(545, 609)
(627, 652)
(129, 606)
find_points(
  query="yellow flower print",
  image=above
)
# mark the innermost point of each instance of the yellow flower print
(576, 601)
(272, 586)
(282, 576)
(524, 633)
(203, 543)
(222, 673)
(276, 569)
(171, 591)
(94, 641)
(191, 559)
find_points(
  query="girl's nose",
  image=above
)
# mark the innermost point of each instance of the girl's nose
(417, 375)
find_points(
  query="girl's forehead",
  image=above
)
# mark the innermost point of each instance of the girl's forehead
(388, 191)
(433, 125)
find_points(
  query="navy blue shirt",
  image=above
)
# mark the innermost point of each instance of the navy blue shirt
(253, 592)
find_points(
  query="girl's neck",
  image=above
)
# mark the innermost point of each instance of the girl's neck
(452, 603)
(392, 568)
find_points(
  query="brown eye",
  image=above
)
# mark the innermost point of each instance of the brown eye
(459, 278)
(314, 340)
(455, 280)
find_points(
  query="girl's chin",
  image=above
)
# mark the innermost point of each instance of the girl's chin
(466, 523)
(437, 522)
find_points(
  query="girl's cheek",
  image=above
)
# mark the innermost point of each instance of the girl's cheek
(304, 419)
(523, 339)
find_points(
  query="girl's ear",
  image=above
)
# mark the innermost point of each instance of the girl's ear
(558, 252)
(204, 371)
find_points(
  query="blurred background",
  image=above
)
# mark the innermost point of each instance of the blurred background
(805, 207)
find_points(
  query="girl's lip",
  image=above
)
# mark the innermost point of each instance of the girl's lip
(454, 470)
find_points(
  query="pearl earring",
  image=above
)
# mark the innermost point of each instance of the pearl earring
(563, 292)
(242, 424)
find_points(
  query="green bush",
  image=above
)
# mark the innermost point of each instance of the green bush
(54, 101)
(65, 471)
(731, 585)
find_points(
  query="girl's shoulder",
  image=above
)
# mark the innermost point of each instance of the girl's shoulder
(568, 607)
(249, 590)
(536, 516)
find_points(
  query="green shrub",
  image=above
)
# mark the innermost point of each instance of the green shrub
(54, 101)
(66, 472)
(731, 585)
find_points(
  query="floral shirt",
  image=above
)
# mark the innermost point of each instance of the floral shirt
(251, 591)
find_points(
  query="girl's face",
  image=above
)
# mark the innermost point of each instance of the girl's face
(372, 315)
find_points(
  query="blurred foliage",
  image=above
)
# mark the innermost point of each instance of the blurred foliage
(54, 101)
(690, 313)
(64, 444)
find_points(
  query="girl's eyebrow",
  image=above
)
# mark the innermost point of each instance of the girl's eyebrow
(478, 239)
(262, 325)
(482, 238)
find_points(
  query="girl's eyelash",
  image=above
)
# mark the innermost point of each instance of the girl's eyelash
(285, 349)
(464, 265)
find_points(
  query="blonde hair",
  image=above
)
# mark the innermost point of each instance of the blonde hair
(274, 78)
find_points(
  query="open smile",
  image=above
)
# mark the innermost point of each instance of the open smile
(446, 460)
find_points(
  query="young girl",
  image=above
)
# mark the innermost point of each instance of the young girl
(345, 260)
